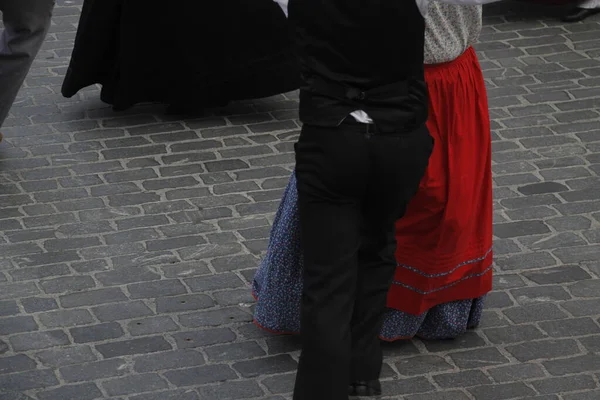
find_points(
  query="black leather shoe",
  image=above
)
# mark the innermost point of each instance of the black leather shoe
(579, 14)
(365, 388)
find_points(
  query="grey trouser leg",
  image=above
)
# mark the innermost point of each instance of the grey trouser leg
(26, 23)
(590, 4)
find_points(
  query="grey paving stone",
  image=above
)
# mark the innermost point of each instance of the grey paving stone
(189, 223)
(535, 312)
(175, 243)
(498, 300)
(121, 311)
(136, 235)
(134, 346)
(66, 318)
(93, 371)
(478, 358)
(570, 327)
(125, 276)
(153, 325)
(449, 395)
(200, 375)
(66, 356)
(30, 234)
(183, 303)
(12, 325)
(582, 308)
(265, 366)
(280, 384)
(84, 391)
(38, 340)
(232, 390)
(32, 260)
(171, 287)
(552, 241)
(168, 360)
(234, 297)
(503, 391)
(588, 288)
(4, 348)
(234, 352)
(462, 379)
(134, 384)
(411, 386)
(547, 349)
(35, 273)
(145, 259)
(92, 297)
(185, 269)
(526, 261)
(578, 254)
(588, 395)
(216, 317)
(68, 284)
(541, 188)
(97, 333)
(508, 281)
(516, 373)
(591, 343)
(395, 349)
(573, 365)
(23, 381)
(513, 334)
(204, 338)
(206, 251)
(214, 282)
(530, 201)
(18, 363)
(289, 344)
(516, 229)
(422, 364)
(540, 294)
(168, 395)
(558, 275)
(565, 384)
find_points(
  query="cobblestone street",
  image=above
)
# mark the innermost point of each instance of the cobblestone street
(128, 240)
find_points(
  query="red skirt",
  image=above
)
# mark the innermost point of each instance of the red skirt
(444, 249)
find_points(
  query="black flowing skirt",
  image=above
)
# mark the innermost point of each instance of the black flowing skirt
(189, 54)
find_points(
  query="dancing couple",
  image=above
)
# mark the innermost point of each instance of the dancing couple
(368, 217)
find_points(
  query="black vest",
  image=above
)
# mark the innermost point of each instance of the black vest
(361, 55)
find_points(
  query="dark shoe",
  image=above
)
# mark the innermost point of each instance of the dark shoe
(579, 14)
(365, 389)
(1, 137)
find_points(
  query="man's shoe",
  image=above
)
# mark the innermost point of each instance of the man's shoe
(579, 14)
(365, 388)
(1, 136)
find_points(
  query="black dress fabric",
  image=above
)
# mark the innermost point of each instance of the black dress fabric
(187, 54)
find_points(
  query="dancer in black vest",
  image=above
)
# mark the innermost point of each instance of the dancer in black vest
(361, 154)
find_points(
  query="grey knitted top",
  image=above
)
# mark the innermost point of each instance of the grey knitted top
(451, 29)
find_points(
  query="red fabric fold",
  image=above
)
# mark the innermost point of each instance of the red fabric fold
(444, 248)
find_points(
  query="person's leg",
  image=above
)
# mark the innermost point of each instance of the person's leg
(585, 9)
(331, 168)
(397, 168)
(26, 23)
(589, 4)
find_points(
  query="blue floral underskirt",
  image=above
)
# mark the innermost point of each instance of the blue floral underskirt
(277, 287)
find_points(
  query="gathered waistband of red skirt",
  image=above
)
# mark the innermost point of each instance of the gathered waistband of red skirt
(468, 56)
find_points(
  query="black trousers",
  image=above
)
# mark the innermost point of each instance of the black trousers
(352, 187)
